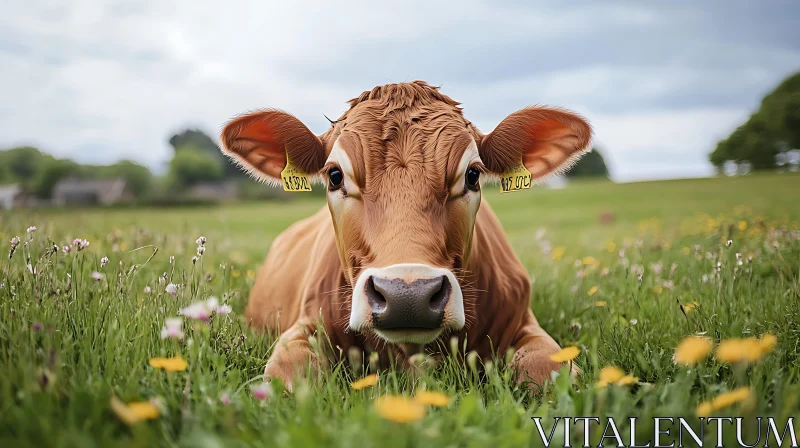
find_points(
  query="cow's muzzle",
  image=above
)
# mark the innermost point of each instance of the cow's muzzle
(407, 303)
(397, 305)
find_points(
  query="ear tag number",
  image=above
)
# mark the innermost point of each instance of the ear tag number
(293, 179)
(516, 179)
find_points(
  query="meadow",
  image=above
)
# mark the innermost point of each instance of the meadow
(625, 273)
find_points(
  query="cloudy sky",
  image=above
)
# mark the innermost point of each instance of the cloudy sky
(661, 82)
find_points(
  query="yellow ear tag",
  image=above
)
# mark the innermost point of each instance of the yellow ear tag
(293, 179)
(516, 179)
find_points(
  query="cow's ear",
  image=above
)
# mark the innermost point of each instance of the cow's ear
(546, 140)
(260, 141)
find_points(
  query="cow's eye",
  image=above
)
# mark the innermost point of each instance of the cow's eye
(473, 175)
(335, 178)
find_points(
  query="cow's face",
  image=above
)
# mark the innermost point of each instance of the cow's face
(403, 171)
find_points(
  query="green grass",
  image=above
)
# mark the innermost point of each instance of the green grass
(96, 337)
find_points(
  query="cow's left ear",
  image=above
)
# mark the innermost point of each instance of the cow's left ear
(261, 141)
(546, 140)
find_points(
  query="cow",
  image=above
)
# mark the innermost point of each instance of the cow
(406, 255)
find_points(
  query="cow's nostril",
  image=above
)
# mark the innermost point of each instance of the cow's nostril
(439, 298)
(377, 301)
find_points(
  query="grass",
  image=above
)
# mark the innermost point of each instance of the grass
(69, 343)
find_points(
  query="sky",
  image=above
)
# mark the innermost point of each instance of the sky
(660, 82)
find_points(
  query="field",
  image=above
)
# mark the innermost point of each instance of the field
(75, 333)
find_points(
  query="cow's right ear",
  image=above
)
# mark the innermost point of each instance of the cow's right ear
(260, 141)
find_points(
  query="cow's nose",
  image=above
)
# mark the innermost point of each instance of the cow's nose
(399, 305)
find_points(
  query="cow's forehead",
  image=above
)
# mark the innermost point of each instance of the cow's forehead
(401, 129)
(433, 156)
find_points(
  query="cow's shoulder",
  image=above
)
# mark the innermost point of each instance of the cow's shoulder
(292, 264)
(501, 286)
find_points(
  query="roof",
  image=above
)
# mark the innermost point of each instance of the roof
(72, 186)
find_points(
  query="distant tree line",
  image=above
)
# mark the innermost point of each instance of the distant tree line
(196, 158)
(771, 134)
(38, 172)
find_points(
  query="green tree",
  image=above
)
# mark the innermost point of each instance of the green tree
(52, 170)
(781, 111)
(195, 138)
(139, 178)
(23, 164)
(590, 165)
(772, 129)
(192, 165)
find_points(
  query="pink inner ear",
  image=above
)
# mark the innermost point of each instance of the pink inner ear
(545, 140)
(555, 141)
(260, 141)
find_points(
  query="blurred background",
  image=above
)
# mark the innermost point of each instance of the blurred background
(120, 102)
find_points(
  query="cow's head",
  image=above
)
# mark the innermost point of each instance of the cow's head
(403, 171)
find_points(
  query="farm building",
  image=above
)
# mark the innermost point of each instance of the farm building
(213, 191)
(12, 196)
(91, 192)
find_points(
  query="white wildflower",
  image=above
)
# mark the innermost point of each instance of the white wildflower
(173, 328)
(172, 288)
(224, 309)
(103, 261)
(31, 229)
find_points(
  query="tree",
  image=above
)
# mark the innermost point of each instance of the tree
(195, 138)
(50, 172)
(781, 109)
(773, 129)
(139, 178)
(23, 164)
(590, 165)
(192, 165)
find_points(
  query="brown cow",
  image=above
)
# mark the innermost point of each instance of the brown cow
(407, 252)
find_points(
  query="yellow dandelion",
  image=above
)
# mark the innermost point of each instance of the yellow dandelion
(600, 303)
(122, 247)
(627, 380)
(686, 251)
(588, 261)
(730, 398)
(399, 409)
(739, 350)
(742, 225)
(692, 349)
(566, 354)
(135, 412)
(690, 306)
(704, 409)
(558, 253)
(432, 398)
(767, 342)
(593, 290)
(250, 273)
(658, 289)
(609, 374)
(363, 383)
(236, 274)
(174, 364)
(611, 247)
